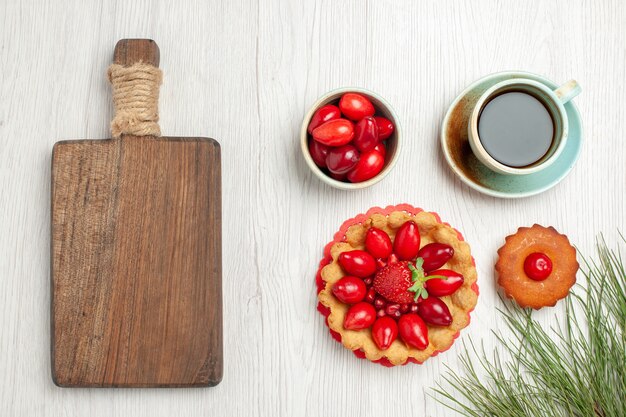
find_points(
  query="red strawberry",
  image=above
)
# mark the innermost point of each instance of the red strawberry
(402, 282)
(393, 283)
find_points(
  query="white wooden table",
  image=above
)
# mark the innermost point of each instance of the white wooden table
(245, 73)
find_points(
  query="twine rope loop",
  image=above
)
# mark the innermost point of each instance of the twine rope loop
(136, 99)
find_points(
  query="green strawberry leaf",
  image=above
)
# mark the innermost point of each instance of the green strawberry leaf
(419, 278)
(417, 287)
(419, 264)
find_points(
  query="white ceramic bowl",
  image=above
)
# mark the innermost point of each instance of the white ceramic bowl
(382, 109)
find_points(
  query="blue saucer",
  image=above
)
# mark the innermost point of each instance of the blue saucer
(472, 172)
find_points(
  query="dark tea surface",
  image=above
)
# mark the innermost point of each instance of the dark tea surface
(516, 129)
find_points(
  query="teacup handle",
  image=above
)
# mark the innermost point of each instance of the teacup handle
(568, 91)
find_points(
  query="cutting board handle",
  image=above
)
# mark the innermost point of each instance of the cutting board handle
(131, 51)
(136, 79)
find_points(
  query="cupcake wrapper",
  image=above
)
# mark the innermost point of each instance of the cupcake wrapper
(340, 236)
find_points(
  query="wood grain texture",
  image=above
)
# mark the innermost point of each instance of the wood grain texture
(245, 72)
(129, 51)
(136, 262)
(136, 258)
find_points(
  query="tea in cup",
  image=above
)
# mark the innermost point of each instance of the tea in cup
(520, 126)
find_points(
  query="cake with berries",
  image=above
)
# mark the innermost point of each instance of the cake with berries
(397, 285)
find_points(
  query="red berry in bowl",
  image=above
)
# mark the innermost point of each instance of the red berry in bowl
(380, 313)
(404, 308)
(435, 255)
(368, 281)
(413, 331)
(385, 127)
(381, 149)
(370, 165)
(338, 177)
(356, 106)
(378, 243)
(359, 316)
(413, 308)
(318, 153)
(358, 263)
(322, 115)
(342, 159)
(407, 242)
(349, 290)
(434, 311)
(336, 132)
(384, 332)
(538, 266)
(366, 134)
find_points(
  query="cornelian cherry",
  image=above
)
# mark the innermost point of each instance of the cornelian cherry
(359, 316)
(443, 286)
(413, 331)
(338, 177)
(318, 152)
(378, 243)
(384, 332)
(435, 255)
(434, 311)
(385, 127)
(358, 263)
(369, 165)
(342, 159)
(349, 290)
(381, 149)
(538, 266)
(322, 115)
(336, 132)
(407, 243)
(356, 106)
(365, 134)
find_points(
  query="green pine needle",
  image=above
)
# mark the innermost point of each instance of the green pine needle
(577, 368)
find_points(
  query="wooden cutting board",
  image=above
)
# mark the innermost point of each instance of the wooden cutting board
(136, 257)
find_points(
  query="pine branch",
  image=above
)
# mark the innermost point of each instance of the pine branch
(577, 368)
